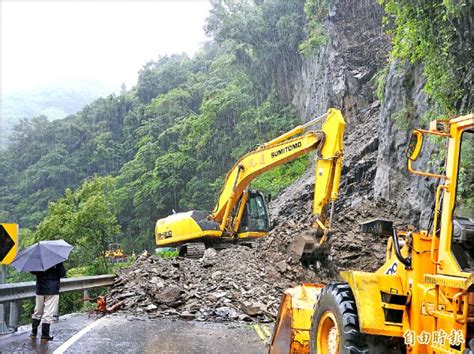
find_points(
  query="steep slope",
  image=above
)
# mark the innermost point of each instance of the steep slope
(374, 182)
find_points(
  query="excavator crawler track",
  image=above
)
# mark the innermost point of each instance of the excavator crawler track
(192, 250)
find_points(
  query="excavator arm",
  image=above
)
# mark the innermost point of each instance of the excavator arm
(328, 172)
(254, 164)
(329, 146)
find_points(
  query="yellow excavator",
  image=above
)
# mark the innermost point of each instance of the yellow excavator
(241, 215)
(421, 300)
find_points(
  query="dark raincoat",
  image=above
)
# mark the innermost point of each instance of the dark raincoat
(47, 282)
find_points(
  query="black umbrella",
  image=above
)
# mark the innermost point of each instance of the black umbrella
(42, 256)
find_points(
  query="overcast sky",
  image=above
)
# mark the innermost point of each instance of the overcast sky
(44, 42)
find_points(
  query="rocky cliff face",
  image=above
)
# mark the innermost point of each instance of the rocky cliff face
(340, 73)
(375, 182)
(341, 76)
(413, 195)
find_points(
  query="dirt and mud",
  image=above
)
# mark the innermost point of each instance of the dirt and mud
(237, 283)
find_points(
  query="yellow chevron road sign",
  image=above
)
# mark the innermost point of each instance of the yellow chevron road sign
(8, 242)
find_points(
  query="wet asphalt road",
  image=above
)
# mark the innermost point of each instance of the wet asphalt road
(122, 334)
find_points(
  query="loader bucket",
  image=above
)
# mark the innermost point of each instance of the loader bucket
(292, 328)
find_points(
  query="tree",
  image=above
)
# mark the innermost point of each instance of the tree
(156, 78)
(86, 219)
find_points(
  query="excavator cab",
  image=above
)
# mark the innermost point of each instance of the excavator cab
(255, 217)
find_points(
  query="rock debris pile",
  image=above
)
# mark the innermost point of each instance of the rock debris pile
(241, 283)
(234, 284)
(347, 248)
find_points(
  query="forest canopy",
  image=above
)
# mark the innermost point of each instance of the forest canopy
(108, 172)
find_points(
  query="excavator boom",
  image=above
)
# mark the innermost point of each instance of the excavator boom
(257, 162)
(329, 144)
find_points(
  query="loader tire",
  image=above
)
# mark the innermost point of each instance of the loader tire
(335, 325)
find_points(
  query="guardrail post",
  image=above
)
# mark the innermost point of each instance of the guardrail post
(86, 295)
(3, 325)
(13, 318)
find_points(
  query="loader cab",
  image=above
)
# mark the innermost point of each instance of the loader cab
(462, 241)
(255, 217)
(453, 216)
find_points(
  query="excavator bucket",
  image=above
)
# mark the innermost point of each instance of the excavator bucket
(292, 328)
(301, 245)
(308, 246)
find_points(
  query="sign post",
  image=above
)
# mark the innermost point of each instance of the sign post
(8, 252)
(3, 325)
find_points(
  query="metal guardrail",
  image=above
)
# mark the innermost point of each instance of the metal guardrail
(27, 289)
(12, 293)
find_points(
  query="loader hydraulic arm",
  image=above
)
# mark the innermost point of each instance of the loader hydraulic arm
(328, 144)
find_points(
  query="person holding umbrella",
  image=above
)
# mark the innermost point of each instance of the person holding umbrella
(45, 260)
(47, 300)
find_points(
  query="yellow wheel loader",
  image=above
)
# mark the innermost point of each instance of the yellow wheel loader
(422, 299)
(241, 215)
(115, 253)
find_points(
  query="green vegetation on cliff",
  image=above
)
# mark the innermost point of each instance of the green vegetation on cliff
(438, 35)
